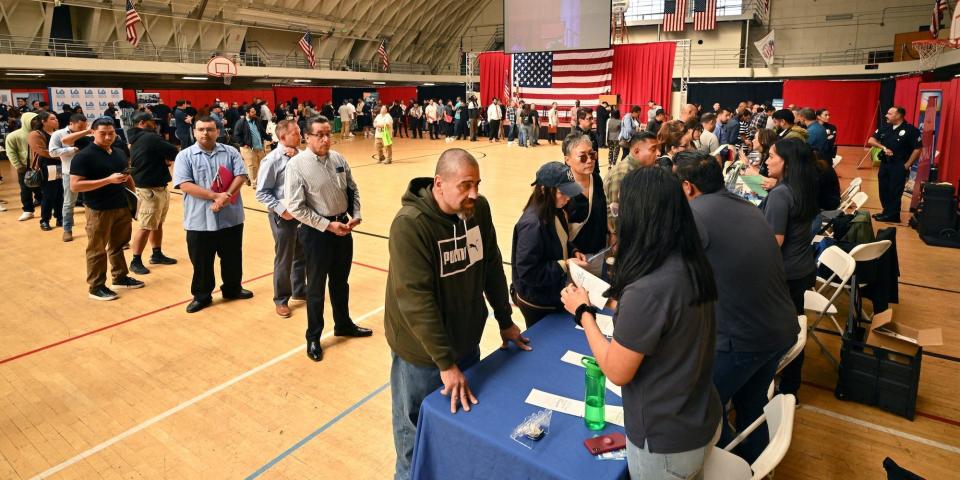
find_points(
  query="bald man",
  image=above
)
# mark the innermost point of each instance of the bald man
(688, 112)
(444, 260)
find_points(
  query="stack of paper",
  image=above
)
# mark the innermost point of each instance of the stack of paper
(569, 406)
(594, 286)
(574, 358)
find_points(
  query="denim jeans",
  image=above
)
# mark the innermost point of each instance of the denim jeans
(744, 377)
(646, 465)
(526, 133)
(69, 202)
(409, 386)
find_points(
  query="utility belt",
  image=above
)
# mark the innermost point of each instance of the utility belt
(342, 218)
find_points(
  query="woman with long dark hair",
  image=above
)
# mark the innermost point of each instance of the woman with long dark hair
(541, 245)
(665, 293)
(790, 207)
(51, 204)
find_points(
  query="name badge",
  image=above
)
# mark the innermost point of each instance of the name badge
(339, 169)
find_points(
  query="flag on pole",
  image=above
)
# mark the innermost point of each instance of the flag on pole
(306, 45)
(384, 58)
(766, 47)
(133, 18)
(546, 77)
(704, 14)
(939, 7)
(674, 15)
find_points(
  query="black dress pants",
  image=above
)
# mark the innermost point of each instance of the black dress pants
(329, 257)
(790, 377)
(891, 180)
(203, 248)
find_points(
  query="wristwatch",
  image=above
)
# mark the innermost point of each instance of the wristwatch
(583, 308)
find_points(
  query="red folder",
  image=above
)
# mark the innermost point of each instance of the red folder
(222, 183)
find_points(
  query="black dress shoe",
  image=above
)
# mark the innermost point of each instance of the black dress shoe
(314, 350)
(241, 294)
(45, 226)
(352, 331)
(877, 216)
(886, 219)
(197, 305)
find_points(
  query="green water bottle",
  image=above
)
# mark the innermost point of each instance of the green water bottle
(594, 394)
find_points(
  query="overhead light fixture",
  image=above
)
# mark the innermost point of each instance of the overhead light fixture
(301, 80)
(25, 74)
(429, 84)
(379, 83)
(194, 78)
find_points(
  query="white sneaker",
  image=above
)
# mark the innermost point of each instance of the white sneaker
(25, 216)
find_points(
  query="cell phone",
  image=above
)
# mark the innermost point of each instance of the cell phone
(128, 170)
(605, 443)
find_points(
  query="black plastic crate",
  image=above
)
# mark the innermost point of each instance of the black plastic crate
(879, 377)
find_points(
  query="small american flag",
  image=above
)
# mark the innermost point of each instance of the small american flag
(704, 14)
(547, 77)
(306, 45)
(384, 58)
(133, 18)
(939, 6)
(674, 15)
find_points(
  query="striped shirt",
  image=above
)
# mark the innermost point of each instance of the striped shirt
(316, 187)
(270, 180)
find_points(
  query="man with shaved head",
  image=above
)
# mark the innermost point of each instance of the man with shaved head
(688, 112)
(444, 260)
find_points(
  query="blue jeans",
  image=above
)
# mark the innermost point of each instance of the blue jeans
(69, 201)
(646, 465)
(743, 377)
(526, 133)
(409, 386)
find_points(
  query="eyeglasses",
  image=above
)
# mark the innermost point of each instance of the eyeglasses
(592, 155)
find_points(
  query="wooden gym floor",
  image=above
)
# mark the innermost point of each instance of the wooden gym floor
(137, 388)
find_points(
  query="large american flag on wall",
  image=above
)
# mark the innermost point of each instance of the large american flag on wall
(564, 77)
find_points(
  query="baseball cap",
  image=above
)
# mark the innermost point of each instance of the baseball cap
(143, 117)
(556, 174)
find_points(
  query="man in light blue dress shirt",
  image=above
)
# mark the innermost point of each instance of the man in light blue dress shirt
(214, 223)
(289, 269)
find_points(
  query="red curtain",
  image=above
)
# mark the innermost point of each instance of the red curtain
(643, 72)
(317, 95)
(905, 96)
(494, 71)
(852, 105)
(949, 159)
(389, 94)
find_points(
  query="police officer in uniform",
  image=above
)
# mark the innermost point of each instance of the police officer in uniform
(901, 144)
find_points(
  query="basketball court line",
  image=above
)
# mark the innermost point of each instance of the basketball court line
(936, 418)
(186, 404)
(879, 428)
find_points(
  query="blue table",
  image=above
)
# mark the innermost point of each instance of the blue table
(478, 444)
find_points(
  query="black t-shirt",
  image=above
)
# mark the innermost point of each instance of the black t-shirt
(779, 208)
(149, 155)
(671, 402)
(94, 163)
(902, 140)
(161, 113)
(754, 309)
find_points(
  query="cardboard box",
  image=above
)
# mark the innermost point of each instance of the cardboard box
(899, 337)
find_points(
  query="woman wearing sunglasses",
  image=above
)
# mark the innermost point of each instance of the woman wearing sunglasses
(588, 228)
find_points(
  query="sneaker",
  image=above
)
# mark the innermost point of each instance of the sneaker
(136, 266)
(25, 216)
(67, 236)
(103, 294)
(2, 208)
(127, 282)
(162, 259)
(45, 226)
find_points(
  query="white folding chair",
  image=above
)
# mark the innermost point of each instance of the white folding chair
(857, 201)
(837, 160)
(791, 354)
(778, 415)
(848, 194)
(842, 265)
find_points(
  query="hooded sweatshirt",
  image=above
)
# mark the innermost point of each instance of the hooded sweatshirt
(795, 131)
(18, 148)
(441, 267)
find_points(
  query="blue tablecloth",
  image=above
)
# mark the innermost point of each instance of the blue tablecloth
(478, 444)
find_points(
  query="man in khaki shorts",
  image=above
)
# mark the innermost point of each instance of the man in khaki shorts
(150, 159)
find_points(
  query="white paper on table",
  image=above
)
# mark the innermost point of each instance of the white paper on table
(569, 406)
(605, 323)
(51, 173)
(573, 358)
(594, 286)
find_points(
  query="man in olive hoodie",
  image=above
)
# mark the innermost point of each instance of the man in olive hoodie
(18, 150)
(444, 259)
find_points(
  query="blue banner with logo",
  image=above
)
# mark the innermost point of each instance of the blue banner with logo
(93, 100)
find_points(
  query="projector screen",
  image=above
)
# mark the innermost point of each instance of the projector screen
(555, 25)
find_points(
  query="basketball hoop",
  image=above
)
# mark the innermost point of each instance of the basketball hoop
(223, 67)
(928, 51)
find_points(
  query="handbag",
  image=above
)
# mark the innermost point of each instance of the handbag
(552, 129)
(34, 177)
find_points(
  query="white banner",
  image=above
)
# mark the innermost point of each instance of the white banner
(6, 98)
(766, 48)
(93, 100)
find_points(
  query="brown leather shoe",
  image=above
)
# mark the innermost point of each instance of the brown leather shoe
(283, 311)
(67, 236)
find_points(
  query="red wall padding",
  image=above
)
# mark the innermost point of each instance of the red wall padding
(200, 98)
(905, 95)
(389, 94)
(317, 95)
(852, 105)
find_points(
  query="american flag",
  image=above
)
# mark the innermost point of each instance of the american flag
(506, 86)
(939, 6)
(674, 15)
(546, 77)
(704, 14)
(133, 18)
(384, 59)
(306, 45)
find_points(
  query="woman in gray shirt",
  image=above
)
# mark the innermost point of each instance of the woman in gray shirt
(613, 137)
(664, 333)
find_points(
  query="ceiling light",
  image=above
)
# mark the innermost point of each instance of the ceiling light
(379, 83)
(429, 84)
(301, 80)
(194, 78)
(25, 74)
